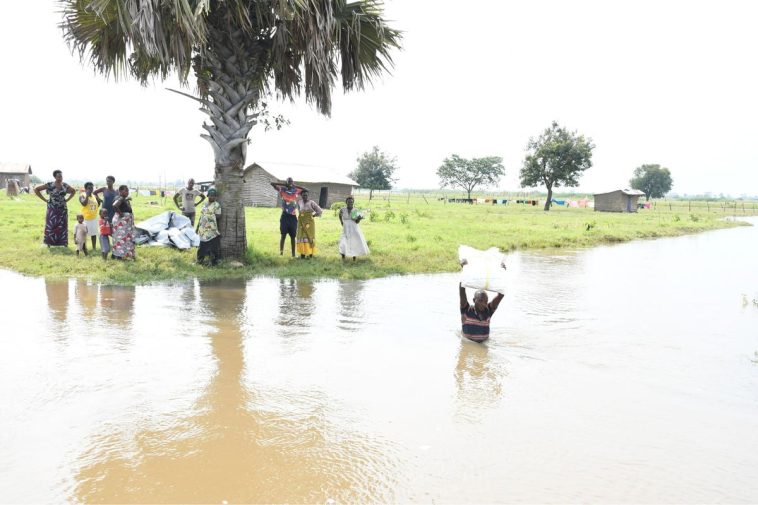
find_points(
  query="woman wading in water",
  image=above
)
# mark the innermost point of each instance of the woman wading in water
(56, 218)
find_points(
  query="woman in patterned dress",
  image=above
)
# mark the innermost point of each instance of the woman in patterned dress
(207, 229)
(306, 226)
(56, 218)
(123, 225)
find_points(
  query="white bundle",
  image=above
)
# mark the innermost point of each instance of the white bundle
(483, 269)
(178, 238)
(193, 237)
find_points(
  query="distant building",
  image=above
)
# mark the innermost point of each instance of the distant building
(325, 186)
(19, 171)
(621, 200)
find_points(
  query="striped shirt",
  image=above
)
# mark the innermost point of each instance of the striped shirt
(476, 325)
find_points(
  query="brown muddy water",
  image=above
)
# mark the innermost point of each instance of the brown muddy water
(626, 373)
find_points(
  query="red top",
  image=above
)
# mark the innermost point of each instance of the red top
(105, 227)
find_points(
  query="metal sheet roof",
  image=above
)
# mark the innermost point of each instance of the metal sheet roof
(15, 168)
(628, 192)
(304, 173)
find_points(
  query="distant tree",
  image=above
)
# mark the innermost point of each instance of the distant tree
(457, 172)
(35, 180)
(652, 180)
(374, 171)
(556, 158)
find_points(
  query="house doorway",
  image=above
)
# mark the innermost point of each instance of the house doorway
(323, 197)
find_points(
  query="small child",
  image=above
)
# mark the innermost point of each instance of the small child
(105, 233)
(80, 235)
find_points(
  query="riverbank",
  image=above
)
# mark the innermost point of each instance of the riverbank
(406, 236)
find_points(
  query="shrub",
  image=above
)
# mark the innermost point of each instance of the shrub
(389, 216)
(373, 217)
(410, 238)
(695, 218)
(404, 218)
(336, 206)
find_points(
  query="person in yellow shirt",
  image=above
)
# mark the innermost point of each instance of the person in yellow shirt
(90, 202)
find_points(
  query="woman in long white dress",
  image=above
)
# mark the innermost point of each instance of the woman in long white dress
(352, 243)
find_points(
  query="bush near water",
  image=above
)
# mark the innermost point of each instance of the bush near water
(406, 233)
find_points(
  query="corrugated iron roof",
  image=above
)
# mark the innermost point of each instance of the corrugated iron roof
(304, 173)
(15, 168)
(628, 192)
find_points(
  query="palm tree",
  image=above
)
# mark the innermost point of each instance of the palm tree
(240, 52)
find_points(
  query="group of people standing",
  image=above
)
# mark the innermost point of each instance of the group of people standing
(115, 225)
(107, 213)
(297, 221)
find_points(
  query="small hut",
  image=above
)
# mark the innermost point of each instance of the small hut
(21, 172)
(621, 200)
(326, 187)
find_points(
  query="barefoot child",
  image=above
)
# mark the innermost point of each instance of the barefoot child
(80, 235)
(105, 233)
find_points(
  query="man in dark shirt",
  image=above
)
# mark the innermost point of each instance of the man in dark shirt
(476, 318)
(288, 194)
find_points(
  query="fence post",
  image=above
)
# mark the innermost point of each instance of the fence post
(669, 206)
(689, 205)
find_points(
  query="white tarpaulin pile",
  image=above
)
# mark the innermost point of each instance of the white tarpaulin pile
(168, 228)
(483, 269)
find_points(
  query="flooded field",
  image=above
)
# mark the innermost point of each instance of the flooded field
(617, 374)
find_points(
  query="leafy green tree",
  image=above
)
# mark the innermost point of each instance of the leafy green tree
(374, 171)
(652, 180)
(457, 172)
(556, 158)
(240, 52)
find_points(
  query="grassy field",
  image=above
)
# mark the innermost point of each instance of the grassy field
(406, 234)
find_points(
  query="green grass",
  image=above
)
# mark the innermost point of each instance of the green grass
(405, 236)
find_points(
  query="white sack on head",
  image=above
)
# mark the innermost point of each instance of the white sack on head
(482, 269)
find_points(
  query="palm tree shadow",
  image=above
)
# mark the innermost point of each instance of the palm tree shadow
(236, 446)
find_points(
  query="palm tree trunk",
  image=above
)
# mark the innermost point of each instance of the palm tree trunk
(224, 72)
(229, 183)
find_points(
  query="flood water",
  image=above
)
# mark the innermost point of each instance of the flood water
(625, 373)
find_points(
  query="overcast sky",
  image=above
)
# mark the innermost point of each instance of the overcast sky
(674, 83)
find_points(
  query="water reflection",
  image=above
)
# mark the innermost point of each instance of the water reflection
(350, 305)
(86, 296)
(243, 445)
(57, 299)
(478, 379)
(117, 305)
(296, 305)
